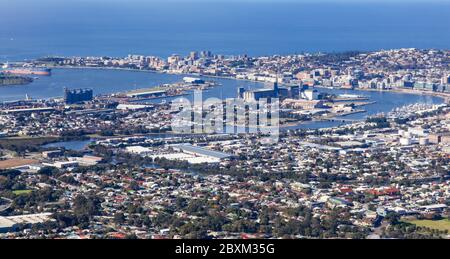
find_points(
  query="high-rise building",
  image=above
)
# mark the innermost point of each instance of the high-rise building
(194, 55)
(206, 54)
(173, 59)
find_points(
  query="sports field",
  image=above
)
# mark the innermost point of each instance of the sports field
(21, 192)
(443, 224)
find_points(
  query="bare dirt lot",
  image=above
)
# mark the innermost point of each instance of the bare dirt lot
(11, 163)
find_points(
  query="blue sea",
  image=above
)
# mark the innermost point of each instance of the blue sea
(31, 28)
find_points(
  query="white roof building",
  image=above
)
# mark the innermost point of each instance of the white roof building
(8, 223)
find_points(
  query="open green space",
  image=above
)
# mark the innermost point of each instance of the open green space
(442, 225)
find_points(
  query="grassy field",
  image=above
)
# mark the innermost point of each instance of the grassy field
(21, 192)
(443, 224)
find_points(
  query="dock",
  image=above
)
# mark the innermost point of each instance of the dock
(338, 117)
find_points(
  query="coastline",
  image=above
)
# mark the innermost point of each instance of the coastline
(444, 96)
(14, 80)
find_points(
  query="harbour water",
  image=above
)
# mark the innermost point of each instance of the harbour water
(76, 145)
(223, 27)
(105, 81)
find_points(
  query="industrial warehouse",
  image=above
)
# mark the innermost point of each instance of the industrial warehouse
(183, 152)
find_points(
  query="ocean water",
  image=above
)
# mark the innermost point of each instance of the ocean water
(31, 28)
